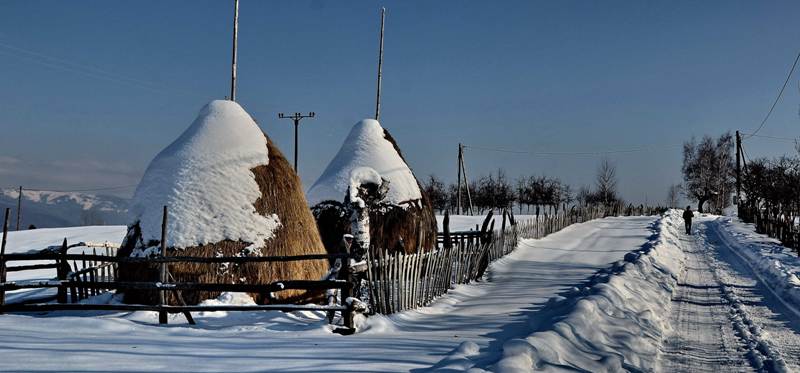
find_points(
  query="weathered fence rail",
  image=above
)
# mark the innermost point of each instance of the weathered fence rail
(80, 276)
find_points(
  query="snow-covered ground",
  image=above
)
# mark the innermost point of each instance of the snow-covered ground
(632, 293)
(727, 313)
(472, 320)
(38, 239)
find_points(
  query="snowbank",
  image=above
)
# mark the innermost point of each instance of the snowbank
(777, 266)
(366, 146)
(615, 323)
(205, 178)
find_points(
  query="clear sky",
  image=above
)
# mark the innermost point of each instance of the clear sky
(90, 91)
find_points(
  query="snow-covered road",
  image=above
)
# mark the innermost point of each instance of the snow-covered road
(478, 317)
(724, 317)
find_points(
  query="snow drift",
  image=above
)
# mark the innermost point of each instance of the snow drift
(774, 264)
(616, 323)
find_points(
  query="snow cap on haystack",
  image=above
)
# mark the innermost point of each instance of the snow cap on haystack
(404, 220)
(367, 145)
(206, 180)
(230, 192)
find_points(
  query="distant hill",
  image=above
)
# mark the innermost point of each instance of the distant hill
(58, 209)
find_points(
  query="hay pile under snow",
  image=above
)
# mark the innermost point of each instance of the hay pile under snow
(230, 192)
(405, 220)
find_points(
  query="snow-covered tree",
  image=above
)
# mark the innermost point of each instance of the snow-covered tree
(708, 171)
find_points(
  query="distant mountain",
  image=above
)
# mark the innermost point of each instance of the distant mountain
(58, 209)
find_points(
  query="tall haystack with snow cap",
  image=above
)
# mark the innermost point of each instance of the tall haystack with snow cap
(404, 220)
(229, 192)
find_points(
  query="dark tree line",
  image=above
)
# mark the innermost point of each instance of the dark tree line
(527, 193)
(772, 185)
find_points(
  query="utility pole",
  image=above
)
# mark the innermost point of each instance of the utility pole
(296, 117)
(738, 168)
(466, 181)
(235, 43)
(19, 206)
(458, 190)
(380, 69)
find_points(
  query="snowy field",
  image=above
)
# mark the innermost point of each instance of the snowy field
(479, 318)
(633, 294)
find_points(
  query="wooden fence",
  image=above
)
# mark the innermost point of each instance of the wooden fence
(781, 225)
(395, 281)
(399, 282)
(92, 274)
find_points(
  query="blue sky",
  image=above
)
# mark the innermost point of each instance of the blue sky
(90, 91)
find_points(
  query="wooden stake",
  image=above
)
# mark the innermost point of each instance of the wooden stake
(2, 259)
(235, 44)
(162, 295)
(380, 69)
(19, 207)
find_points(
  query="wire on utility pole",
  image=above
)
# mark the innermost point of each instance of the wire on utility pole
(780, 93)
(296, 117)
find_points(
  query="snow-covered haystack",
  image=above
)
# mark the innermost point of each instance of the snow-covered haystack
(404, 220)
(230, 192)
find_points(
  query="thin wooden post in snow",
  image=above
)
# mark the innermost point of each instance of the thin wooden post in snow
(62, 270)
(19, 207)
(2, 260)
(162, 295)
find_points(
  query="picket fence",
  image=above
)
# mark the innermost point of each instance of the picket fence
(398, 281)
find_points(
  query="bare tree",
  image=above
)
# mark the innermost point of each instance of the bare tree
(673, 195)
(582, 196)
(708, 171)
(607, 182)
(436, 192)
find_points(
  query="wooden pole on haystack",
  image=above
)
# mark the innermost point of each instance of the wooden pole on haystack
(380, 69)
(162, 295)
(235, 43)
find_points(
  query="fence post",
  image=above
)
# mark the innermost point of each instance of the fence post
(162, 295)
(347, 315)
(62, 270)
(3, 261)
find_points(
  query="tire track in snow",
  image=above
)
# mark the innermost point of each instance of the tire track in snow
(703, 339)
(723, 315)
(772, 324)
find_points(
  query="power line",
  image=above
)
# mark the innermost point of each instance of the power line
(774, 103)
(779, 138)
(86, 70)
(77, 190)
(580, 153)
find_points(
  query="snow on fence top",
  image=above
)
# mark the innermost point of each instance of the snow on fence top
(366, 146)
(205, 179)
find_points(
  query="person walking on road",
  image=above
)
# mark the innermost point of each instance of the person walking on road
(687, 219)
